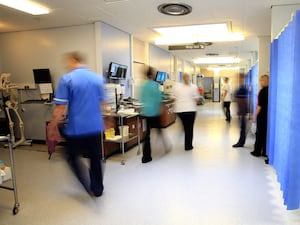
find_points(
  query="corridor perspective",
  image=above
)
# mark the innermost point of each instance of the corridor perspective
(214, 184)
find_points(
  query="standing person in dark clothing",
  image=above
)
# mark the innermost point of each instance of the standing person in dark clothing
(261, 117)
(241, 97)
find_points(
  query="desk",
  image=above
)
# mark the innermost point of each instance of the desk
(168, 115)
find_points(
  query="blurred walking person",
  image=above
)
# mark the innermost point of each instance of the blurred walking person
(186, 96)
(241, 97)
(79, 94)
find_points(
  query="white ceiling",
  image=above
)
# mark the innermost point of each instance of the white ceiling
(138, 17)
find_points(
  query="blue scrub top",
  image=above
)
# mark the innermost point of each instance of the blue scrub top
(82, 91)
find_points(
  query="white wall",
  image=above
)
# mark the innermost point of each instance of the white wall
(116, 47)
(281, 16)
(20, 52)
(264, 46)
(140, 52)
(159, 58)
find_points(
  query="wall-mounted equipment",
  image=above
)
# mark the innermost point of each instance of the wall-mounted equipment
(42, 78)
(117, 71)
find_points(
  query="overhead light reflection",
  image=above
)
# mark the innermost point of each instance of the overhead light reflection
(196, 33)
(222, 68)
(217, 60)
(26, 6)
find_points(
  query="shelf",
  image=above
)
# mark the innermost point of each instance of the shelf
(128, 138)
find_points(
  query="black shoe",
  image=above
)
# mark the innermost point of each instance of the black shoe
(255, 154)
(189, 149)
(266, 161)
(98, 194)
(145, 160)
(237, 145)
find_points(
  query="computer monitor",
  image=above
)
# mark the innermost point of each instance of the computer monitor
(117, 71)
(112, 70)
(123, 71)
(161, 76)
(42, 76)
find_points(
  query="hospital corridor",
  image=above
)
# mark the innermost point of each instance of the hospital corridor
(213, 184)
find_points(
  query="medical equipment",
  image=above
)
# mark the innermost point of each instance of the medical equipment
(11, 104)
(8, 174)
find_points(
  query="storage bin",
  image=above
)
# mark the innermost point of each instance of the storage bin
(125, 130)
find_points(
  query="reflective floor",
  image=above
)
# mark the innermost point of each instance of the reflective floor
(214, 184)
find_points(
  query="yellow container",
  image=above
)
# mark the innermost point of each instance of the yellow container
(109, 133)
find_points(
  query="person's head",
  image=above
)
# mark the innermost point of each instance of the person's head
(186, 78)
(264, 80)
(226, 79)
(73, 60)
(151, 73)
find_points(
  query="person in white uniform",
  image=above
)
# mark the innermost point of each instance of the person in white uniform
(186, 96)
(226, 98)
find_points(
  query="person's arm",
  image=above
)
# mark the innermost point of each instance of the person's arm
(59, 113)
(257, 111)
(196, 94)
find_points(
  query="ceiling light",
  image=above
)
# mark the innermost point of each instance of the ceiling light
(175, 9)
(196, 33)
(223, 68)
(25, 6)
(193, 29)
(217, 60)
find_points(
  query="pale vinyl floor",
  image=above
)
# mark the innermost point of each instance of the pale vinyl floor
(214, 184)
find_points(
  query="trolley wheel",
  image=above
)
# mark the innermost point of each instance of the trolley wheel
(15, 210)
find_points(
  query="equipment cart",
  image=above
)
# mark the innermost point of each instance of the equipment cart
(9, 174)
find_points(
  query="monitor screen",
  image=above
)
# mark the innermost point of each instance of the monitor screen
(123, 70)
(113, 69)
(161, 76)
(117, 71)
(41, 76)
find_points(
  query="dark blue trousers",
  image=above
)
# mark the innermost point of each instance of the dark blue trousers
(91, 178)
(188, 120)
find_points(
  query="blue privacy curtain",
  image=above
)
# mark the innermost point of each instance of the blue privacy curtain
(284, 112)
(252, 84)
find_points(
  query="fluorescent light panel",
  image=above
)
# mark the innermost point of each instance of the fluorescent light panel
(223, 68)
(217, 60)
(196, 33)
(25, 6)
(193, 29)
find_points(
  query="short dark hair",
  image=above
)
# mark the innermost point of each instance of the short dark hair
(76, 56)
(151, 72)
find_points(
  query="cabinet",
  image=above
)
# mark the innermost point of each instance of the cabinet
(168, 115)
(34, 116)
